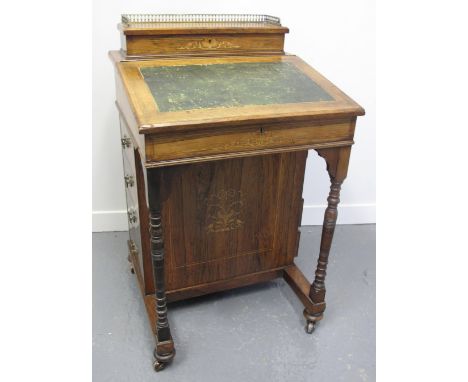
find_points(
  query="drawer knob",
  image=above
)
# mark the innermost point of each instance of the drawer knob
(129, 181)
(132, 216)
(126, 142)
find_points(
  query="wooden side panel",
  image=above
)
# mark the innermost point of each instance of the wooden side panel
(215, 43)
(228, 218)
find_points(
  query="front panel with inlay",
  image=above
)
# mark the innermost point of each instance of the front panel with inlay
(229, 218)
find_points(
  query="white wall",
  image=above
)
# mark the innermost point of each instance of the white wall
(336, 37)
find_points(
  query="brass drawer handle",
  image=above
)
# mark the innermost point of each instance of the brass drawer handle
(129, 181)
(126, 142)
(132, 216)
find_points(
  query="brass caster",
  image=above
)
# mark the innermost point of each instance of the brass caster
(158, 366)
(161, 361)
(311, 320)
(310, 327)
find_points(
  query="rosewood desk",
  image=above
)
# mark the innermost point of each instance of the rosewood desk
(216, 123)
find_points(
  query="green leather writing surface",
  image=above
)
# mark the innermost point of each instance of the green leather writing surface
(176, 88)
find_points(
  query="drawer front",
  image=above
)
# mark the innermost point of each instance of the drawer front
(130, 180)
(162, 148)
(131, 193)
(127, 138)
(190, 44)
(134, 229)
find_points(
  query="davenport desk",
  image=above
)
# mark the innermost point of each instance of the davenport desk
(216, 122)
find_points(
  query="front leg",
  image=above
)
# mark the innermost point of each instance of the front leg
(164, 351)
(337, 166)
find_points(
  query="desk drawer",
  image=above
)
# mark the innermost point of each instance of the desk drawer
(133, 212)
(264, 137)
(134, 228)
(128, 155)
(130, 180)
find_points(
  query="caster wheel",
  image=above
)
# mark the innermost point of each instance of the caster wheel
(310, 327)
(163, 360)
(158, 366)
(132, 270)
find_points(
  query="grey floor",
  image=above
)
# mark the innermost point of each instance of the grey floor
(250, 334)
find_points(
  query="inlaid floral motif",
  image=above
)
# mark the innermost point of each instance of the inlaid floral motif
(224, 210)
(208, 44)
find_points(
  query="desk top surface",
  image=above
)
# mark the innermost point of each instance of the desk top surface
(167, 93)
(240, 84)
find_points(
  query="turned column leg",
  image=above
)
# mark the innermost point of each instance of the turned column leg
(337, 164)
(164, 351)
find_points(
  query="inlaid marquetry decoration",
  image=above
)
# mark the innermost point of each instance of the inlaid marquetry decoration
(224, 211)
(189, 87)
(208, 43)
